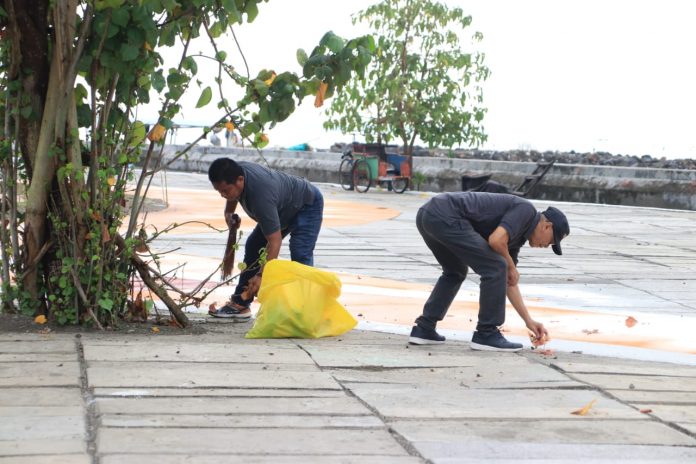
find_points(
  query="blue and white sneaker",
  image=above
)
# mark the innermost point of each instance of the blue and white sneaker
(422, 336)
(493, 341)
(232, 310)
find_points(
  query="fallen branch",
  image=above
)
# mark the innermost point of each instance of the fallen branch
(144, 271)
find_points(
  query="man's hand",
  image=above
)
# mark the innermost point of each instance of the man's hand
(233, 220)
(539, 331)
(252, 287)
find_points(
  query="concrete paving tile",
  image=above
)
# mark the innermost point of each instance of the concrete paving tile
(355, 338)
(40, 411)
(256, 459)
(673, 413)
(45, 374)
(689, 426)
(398, 355)
(239, 421)
(37, 357)
(597, 365)
(234, 332)
(40, 397)
(444, 402)
(477, 377)
(530, 453)
(318, 442)
(34, 345)
(31, 427)
(184, 375)
(52, 447)
(674, 285)
(656, 397)
(215, 392)
(196, 353)
(56, 459)
(633, 382)
(322, 406)
(493, 433)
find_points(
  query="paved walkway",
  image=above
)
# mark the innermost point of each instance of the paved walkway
(367, 396)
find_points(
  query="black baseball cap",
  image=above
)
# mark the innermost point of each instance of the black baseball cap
(560, 227)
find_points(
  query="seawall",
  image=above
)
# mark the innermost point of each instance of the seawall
(632, 186)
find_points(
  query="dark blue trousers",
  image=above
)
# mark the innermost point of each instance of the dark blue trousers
(303, 230)
(458, 247)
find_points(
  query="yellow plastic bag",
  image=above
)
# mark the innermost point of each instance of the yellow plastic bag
(299, 301)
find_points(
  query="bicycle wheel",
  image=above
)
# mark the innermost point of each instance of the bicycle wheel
(345, 174)
(362, 176)
(399, 184)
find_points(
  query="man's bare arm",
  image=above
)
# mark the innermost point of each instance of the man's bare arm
(498, 241)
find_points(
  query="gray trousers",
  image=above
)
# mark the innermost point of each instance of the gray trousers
(457, 247)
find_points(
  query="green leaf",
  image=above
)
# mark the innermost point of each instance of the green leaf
(120, 16)
(332, 42)
(205, 97)
(221, 55)
(158, 81)
(302, 57)
(129, 52)
(216, 30)
(136, 138)
(106, 304)
(252, 11)
(230, 6)
(190, 64)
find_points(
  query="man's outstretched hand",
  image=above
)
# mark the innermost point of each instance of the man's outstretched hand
(539, 331)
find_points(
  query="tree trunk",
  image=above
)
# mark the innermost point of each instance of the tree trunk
(51, 137)
(28, 30)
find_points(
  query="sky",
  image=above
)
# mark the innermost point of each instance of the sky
(590, 75)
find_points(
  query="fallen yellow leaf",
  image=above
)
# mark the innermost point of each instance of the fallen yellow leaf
(585, 410)
(155, 330)
(40, 319)
(156, 133)
(319, 100)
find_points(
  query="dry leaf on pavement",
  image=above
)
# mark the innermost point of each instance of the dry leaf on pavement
(583, 411)
(631, 321)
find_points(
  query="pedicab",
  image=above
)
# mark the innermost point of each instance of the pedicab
(366, 164)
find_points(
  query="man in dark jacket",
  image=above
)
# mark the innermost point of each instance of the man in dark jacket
(281, 204)
(484, 232)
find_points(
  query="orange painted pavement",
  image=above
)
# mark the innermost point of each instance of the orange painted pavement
(207, 207)
(394, 302)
